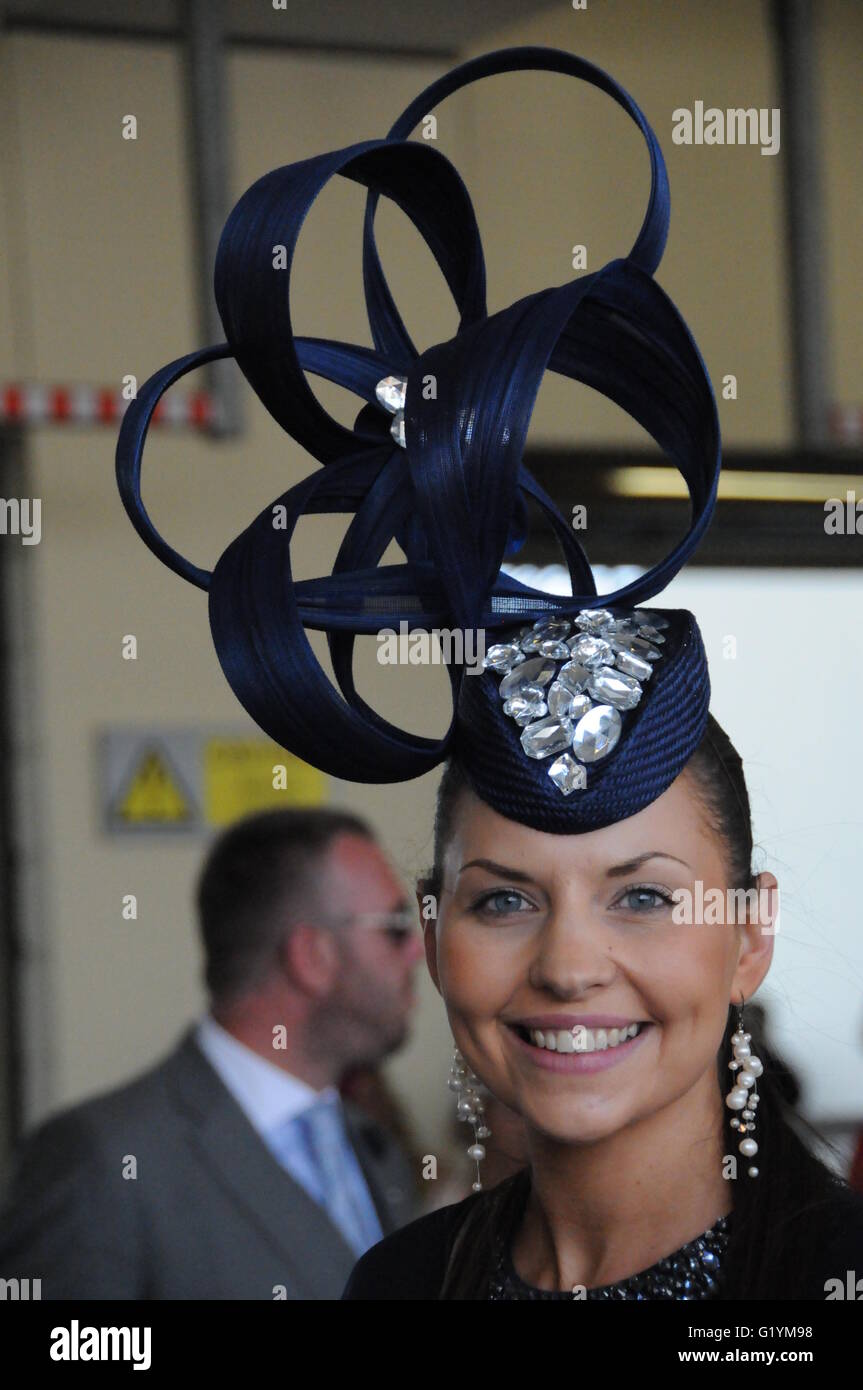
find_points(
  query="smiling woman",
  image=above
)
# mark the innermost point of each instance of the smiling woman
(583, 1006)
(587, 788)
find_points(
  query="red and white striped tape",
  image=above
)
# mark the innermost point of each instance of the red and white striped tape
(38, 404)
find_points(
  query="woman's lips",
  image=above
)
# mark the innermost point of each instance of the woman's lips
(578, 1061)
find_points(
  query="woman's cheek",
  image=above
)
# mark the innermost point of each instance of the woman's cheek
(476, 974)
(679, 958)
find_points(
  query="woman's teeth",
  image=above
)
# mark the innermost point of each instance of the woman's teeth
(581, 1039)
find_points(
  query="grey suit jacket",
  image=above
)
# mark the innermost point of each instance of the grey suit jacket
(210, 1213)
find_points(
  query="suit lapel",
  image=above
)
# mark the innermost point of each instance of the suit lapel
(229, 1145)
(384, 1169)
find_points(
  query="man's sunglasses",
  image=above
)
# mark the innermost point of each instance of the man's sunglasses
(400, 926)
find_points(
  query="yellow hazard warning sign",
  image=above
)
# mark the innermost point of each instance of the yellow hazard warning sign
(154, 793)
(181, 781)
(242, 775)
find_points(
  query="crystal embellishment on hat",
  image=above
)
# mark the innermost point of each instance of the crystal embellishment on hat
(567, 682)
(390, 393)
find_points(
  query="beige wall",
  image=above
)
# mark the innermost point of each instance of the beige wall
(581, 170)
(97, 281)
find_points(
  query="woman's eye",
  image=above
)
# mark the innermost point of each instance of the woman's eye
(645, 899)
(504, 902)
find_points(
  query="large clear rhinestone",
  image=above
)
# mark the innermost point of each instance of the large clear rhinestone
(546, 646)
(391, 393)
(596, 733)
(633, 665)
(559, 700)
(558, 628)
(638, 646)
(546, 737)
(559, 651)
(592, 619)
(564, 703)
(643, 616)
(569, 775)
(397, 429)
(574, 676)
(531, 692)
(615, 688)
(503, 656)
(537, 671)
(593, 652)
(524, 709)
(622, 627)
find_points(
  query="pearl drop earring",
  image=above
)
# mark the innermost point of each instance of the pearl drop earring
(744, 1094)
(469, 1108)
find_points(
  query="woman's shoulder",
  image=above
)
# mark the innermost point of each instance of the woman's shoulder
(411, 1262)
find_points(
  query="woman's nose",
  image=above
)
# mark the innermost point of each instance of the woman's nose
(571, 954)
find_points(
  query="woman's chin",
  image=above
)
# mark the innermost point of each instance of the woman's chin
(573, 1125)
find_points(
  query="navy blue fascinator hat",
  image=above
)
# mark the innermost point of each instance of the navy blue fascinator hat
(587, 707)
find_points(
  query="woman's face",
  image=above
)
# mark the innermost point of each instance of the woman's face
(573, 936)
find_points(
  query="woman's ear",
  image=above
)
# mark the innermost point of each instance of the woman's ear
(427, 903)
(756, 938)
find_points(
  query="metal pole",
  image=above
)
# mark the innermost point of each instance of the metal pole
(795, 29)
(208, 164)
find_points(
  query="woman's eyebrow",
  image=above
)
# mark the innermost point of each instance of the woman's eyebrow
(617, 870)
(500, 870)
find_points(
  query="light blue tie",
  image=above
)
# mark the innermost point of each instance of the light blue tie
(315, 1148)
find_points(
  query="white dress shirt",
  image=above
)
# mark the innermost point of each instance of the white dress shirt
(266, 1093)
(273, 1100)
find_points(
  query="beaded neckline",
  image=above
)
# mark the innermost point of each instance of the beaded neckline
(691, 1273)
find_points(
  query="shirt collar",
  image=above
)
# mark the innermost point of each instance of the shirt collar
(267, 1093)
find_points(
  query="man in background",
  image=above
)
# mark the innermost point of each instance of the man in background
(232, 1169)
